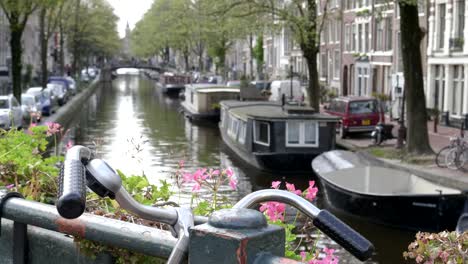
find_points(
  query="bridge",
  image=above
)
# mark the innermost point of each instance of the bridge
(136, 65)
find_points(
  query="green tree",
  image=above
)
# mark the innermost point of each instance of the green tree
(306, 23)
(50, 12)
(17, 13)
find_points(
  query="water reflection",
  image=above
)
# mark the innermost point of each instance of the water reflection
(138, 130)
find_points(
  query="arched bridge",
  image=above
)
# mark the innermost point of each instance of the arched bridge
(116, 66)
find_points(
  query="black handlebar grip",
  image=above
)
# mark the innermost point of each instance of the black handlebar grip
(71, 201)
(344, 235)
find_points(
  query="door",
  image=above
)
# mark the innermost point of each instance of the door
(345, 81)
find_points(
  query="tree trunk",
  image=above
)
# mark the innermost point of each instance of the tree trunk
(76, 36)
(186, 59)
(411, 36)
(44, 47)
(314, 85)
(16, 57)
(62, 50)
(251, 56)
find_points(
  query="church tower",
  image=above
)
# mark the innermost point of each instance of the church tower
(126, 42)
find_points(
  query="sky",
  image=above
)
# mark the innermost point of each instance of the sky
(130, 11)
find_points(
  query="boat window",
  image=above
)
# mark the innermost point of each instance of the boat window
(293, 132)
(4, 104)
(223, 117)
(301, 134)
(262, 133)
(242, 132)
(233, 128)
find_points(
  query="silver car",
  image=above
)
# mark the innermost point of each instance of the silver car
(11, 114)
(32, 109)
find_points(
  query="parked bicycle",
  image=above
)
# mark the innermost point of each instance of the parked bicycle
(455, 155)
(80, 170)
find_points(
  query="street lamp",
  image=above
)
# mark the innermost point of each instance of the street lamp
(291, 75)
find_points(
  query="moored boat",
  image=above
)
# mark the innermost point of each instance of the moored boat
(388, 196)
(202, 101)
(172, 84)
(275, 137)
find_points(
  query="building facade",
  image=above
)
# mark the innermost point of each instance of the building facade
(447, 89)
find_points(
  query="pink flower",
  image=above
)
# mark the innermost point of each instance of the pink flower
(311, 192)
(292, 188)
(275, 184)
(9, 187)
(215, 173)
(53, 128)
(181, 164)
(69, 145)
(328, 251)
(188, 177)
(274, 210)
(229, 172)
(196, 187)
(303, 256)
(233, 183)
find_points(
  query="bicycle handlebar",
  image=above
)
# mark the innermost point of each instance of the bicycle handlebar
(103, 180)
(71, 201)
(337, 230)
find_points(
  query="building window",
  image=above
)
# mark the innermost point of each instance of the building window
(323, 65)
(337, 31)
(460, 19)
(353, 39)
(336, 63)
(301, 134)
(366, 38)
(422, 6)
(439, 94)
(458, 90)
(388, 33)
(262, 133)
(380, 30)
(360, 42)
(363, 79)
(441, 22)
(347, 37)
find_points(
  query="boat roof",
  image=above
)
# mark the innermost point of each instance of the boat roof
(273, 110)
(196, 86)
(350, 172)
(219, 90)
(354, 98)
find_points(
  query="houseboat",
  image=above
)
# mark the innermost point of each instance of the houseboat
(271, 136)
(172, 84)
(202, 101)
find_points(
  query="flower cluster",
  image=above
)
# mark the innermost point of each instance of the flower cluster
(275, 210)
(53, 128)
(208, 177)
(444, 247)
(328, 259)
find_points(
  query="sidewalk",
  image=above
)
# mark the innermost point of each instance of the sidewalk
(444, 176)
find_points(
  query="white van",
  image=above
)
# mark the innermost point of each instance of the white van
(278, 88)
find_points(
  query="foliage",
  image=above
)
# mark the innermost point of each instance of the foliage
(381, 97)
(444, 247)
(275, 213)
(23, 165)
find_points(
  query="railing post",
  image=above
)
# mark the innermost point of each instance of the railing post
(235, 236)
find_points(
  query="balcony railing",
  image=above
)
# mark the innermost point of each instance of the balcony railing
(456, 43)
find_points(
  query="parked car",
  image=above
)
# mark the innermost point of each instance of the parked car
(11, 114)
(358, 114)
(31, 107)
(85, 76)
(64, 81)
(47, 101)
(72, 84)
(60, 92)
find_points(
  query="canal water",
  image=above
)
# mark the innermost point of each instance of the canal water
(130, 124)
